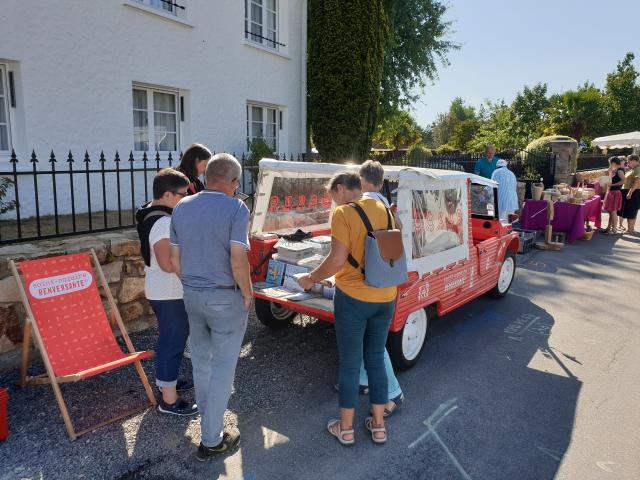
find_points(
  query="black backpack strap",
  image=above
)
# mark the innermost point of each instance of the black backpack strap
(367, 224)
(363, 216)
(389, 222)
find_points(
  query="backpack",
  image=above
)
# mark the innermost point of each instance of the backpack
(383, 254)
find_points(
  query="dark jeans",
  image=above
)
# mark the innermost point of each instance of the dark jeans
(173, 328)
(361, 333)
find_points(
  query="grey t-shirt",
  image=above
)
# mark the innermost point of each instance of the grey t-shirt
(204, 226)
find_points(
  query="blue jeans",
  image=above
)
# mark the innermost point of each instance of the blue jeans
(392, 381)
(173, 328)
(361, 333)
(218, 320)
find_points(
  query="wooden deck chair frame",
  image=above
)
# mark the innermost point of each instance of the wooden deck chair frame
(31, 329)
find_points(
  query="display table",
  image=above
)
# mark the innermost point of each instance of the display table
(568, 217)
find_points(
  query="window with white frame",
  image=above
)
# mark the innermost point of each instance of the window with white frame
(261, 22)
(5, 143)
(262, 122)
(155, 119)
(166, 6)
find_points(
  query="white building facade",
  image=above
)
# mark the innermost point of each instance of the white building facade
(147, 75)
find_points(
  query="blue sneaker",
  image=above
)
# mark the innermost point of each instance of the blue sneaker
(180, 408)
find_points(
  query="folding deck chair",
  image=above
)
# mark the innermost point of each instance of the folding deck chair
(70, 327)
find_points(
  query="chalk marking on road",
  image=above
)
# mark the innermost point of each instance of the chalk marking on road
(431, 423)
(605, 466)
(517, 339)
(552, 453)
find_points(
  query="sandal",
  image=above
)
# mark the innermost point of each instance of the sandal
(397, 401)
(341, 433)
(368, 424)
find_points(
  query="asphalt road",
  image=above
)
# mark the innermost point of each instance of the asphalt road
(541, 384)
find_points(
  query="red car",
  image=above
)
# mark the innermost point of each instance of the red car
(457, 248)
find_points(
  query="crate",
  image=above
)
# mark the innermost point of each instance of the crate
(527, 240)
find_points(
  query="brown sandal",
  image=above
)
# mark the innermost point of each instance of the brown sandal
(341, 433)
(368, 424)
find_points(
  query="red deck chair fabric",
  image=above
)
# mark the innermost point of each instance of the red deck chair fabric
(71, 318)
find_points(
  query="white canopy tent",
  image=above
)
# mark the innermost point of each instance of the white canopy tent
(622, 140)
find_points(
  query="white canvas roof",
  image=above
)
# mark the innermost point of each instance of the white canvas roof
(392, 172)
(621, 140)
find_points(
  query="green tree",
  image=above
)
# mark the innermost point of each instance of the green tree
(498, 128)
(443, 127)
(622, 97)
(463, 133)
(416, 45)
(579, 113)
(345, 64)
(529, 112)
(399, 130)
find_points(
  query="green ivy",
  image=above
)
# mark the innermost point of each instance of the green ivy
(346, 58)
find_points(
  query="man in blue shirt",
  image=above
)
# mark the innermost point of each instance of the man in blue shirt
(209, 246)
(487, 164)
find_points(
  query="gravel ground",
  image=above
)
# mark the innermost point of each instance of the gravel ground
(539, 385)
(274, 368)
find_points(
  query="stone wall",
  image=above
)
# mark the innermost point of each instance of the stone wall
(566, 159)
(590, 175)
(123, 267)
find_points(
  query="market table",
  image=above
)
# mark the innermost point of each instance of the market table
(568, 217)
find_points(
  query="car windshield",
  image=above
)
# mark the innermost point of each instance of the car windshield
(482, 201)
(297, 203)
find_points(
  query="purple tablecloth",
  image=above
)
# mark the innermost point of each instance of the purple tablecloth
(568, 217)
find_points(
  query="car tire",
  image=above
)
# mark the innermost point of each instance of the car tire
(406, 346)
(505, 276)
(272, 314)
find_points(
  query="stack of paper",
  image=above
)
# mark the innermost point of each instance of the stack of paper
(293, 251)
(322, 243)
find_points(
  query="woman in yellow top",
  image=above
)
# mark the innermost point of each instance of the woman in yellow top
(362, 313)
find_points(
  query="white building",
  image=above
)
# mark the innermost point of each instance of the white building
(150, 75)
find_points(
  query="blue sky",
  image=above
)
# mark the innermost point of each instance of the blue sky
(507, 44)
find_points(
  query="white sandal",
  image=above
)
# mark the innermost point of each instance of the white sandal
(341, 433)
(368, 424)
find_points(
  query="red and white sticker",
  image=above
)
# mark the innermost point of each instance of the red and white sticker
(60, 284)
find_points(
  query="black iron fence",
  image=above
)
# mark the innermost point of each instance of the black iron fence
(527, 166)
(58, 197)
(71, 196)
(592, 162)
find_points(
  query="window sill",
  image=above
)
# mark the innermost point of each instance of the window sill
(158, 13)
(250, 44)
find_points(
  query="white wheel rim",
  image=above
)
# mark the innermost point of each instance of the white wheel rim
(506, 274)
(279, 312)
(414, 334)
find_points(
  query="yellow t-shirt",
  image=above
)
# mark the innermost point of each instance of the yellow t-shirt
(630, 178)
(347, 227)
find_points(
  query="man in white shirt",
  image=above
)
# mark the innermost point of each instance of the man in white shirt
(163, 288)
(507, 190)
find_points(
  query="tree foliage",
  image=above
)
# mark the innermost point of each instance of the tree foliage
(579, 113)
(399, 130)
(345, 66)
(622, 97)
(442, 129)
(416, 45)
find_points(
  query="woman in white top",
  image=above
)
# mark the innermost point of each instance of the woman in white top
(163, 288)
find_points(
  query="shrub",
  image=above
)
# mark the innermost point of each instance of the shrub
(5, 207)
(258, 149)
(417, 154)
(446, 150)
(536, 153)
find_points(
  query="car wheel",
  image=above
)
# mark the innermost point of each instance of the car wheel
(505, 277)
(273, 315)
(405, 346)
